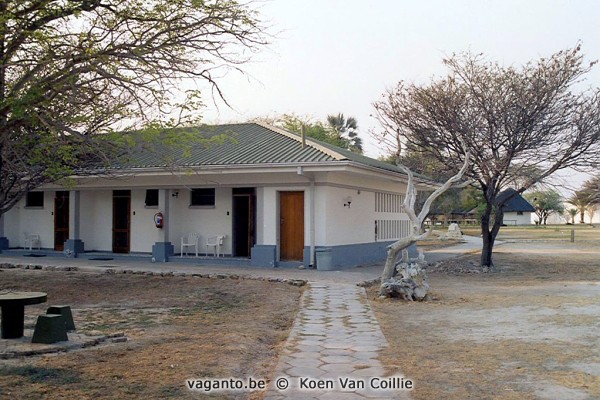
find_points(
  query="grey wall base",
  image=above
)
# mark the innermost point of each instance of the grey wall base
(161, 251)
(306, 260)
(338, 257)
(75, 246)
(352, 255)
(3, 243)
(263, 255)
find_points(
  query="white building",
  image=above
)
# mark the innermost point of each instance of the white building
(517, 211)
(273, 198)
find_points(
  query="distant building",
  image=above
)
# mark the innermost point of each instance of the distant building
(517, 211)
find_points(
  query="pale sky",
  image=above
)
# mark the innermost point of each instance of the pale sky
(333, 56)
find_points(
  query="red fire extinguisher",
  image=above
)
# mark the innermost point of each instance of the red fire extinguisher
(159, 220)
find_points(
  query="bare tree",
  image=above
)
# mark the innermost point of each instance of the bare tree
(74, 74)
(523, 123)
(417, 229)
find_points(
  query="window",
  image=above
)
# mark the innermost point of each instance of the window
(519, 212)
(151, 198)
(202, 197)
(34, 200)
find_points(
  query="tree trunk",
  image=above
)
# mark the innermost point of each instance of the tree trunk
(489, 235)
(393, 251)
(486, 250)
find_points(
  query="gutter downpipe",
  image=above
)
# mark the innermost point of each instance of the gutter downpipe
(311, 179)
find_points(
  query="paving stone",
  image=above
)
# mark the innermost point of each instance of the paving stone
(365, 355)
(304, 363)
(338, 395)
(337, 370)
(338, 359)
(306, 354)
(336, 345)
(374, 371)
(307, 348)
(361, 347)
(336, 352)
(297, 372)
(307, 342)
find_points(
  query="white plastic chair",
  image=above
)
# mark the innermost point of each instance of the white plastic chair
(216, 242)
(190, 240)
(32, 240)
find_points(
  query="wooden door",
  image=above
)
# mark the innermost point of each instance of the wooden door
(121, 221)
(243, 221)
(291, 229)
(61, 220)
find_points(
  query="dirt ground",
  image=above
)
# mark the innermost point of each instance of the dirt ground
(530, 331)
(178, 328)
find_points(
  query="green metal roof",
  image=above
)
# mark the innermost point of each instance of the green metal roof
(245, 144)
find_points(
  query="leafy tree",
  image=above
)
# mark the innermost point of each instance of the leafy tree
(519, 124)
(581, 200)
(591, 210)
(546, 203)
(316, 130)
(587, 198)
(74, 73)
(338, 131)
(572, 212)
(592, 188)
(346, 130)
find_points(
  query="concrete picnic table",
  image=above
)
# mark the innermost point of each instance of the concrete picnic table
(13, 311)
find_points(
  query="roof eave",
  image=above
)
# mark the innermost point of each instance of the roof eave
(323, 166)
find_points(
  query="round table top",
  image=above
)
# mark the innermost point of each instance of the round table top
(24, 298)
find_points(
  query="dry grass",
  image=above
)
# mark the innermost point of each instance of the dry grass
(583, 233)
(178, 328)
(528, 332)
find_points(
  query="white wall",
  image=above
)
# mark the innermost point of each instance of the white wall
(143, 231)
(334, 223)
(348, 225)
(96, 218)
(206, 221)
(39, 221)
(511, 218)
(270, 211)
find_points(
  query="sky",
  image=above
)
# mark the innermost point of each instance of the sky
(332, 56)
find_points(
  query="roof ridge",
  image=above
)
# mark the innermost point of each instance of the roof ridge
(298, 138)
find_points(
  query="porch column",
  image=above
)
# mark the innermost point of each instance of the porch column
(74, 245)
(162, 250)
(3, 239)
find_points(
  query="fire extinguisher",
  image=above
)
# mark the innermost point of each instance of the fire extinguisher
(159, 220)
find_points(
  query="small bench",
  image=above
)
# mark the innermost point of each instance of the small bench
(65, 311)
(50, 328)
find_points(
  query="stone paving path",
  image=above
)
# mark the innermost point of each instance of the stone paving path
(335, 336)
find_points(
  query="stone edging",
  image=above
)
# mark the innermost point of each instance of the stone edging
(93, 341)
(293, 282)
